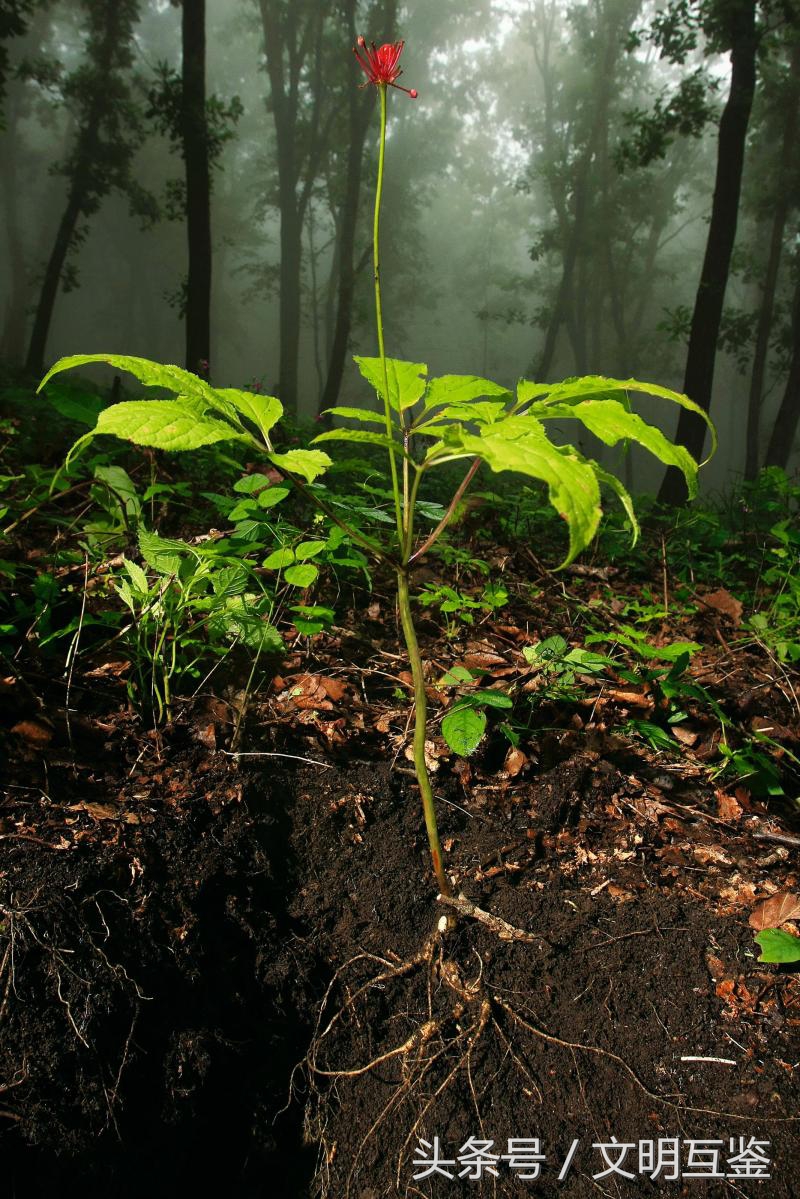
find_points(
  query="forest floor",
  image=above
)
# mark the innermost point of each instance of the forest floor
(223, 967)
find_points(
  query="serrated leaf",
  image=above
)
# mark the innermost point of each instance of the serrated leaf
(571, 390)
(405, 384)
(482, 412)
(361, 435)
(360, 414)
(611, 422)
(302, 575)
(264, 411)
(462, 729)
(775, 910)
(75, 405)
(230, 580)
(777, 946)
(309, 464)
(240, 624)
(122, 588)
(152, 374)
(520, 444)
(279, 558)
(623, 495)
(138, 577)
(171, 425)
(164, 554)
(460, 389)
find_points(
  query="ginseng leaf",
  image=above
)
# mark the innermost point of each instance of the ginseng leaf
(612, 422)
(151, 374)
(519, 443)
(360, 414)
(310, 464)
(264, 411)
(361, 435)
(572, 391)
(171, 425)
(405, 383)
(461, 389)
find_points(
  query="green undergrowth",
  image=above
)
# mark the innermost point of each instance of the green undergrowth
(181, 571)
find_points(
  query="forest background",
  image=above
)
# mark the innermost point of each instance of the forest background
(609, 187)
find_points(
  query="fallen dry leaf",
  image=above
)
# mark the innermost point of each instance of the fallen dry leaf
(207, 735)
(716, 967)
(98, 811)
(35, 732)
(515, 760)
(706, 854)
(728, 808)
(776, 910)
(722, 601)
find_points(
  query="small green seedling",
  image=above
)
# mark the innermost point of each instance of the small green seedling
(776, 944)
(423, 424)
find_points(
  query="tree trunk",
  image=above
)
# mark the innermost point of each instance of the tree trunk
(701, 355)
(281, 35)
(360, 107)
(12, 346)
(786, 422)
(34, 362)
(88, 138)
(198, 187)
(576, 238)
(779, 218)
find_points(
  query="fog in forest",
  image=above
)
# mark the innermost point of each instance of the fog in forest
(548, 207)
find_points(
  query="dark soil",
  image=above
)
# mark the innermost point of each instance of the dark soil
(226, 975)
(171, 934)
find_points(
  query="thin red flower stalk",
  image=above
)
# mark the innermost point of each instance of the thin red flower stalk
(379, 64)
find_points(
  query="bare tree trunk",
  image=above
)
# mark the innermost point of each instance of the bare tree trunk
(288, 33)
(198, 186)
(12, 345)
(52, 277)
(779, 217)
(785, 428)
(88, 139)
(701, 355)
(576, 236)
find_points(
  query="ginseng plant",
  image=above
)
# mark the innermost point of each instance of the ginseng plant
(422, 424)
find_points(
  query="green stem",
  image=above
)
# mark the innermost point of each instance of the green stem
(403, 507)
(420, 721)
(376, 253)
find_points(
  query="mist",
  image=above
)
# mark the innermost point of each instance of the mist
(548, 206)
